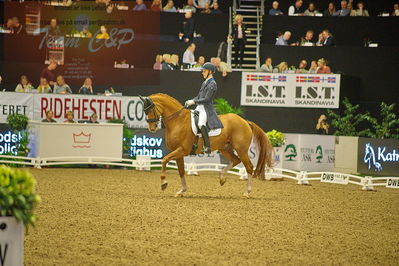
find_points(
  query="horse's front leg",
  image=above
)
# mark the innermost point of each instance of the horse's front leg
(182, 172)
(178, 153)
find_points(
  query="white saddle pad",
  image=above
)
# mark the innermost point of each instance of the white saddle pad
(212, 133)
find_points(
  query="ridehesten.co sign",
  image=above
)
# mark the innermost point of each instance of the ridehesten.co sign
(290, 90)
(378, 156)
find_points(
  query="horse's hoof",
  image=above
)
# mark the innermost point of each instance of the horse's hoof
(222, 180)
(164, 185)
(179, 195)
(246, 195)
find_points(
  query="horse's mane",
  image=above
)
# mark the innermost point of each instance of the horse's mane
(170, 98)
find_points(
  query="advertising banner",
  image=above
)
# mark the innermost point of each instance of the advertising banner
(290, 90)
(306, 152)
(378, 156)
(18, 103)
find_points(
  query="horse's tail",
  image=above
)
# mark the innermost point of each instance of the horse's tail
(265, 149)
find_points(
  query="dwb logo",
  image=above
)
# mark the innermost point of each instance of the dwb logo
(290, 152)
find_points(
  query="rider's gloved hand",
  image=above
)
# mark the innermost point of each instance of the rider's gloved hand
(189, 103)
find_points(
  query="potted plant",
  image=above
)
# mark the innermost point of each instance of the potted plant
(277, 139)
(222, 106)
(18, 200)
(18, 124)
(128, 134)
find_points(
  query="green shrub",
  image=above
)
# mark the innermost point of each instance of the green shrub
(276, 138)
(128, 133)
(389, 125)
(222, 106)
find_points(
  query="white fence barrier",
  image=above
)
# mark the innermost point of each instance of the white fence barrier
(144, 163)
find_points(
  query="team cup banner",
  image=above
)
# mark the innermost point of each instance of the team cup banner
(290, 90)
(34, 106)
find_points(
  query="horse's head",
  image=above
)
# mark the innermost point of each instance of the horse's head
(153, 115)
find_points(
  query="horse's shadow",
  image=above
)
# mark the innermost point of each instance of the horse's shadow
(193, 197)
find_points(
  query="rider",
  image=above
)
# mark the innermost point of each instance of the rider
(204, 101)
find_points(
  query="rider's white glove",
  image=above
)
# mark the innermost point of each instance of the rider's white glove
(189, 103)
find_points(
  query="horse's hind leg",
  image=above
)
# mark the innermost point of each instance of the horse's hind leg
(233, 161)
(243, 155)
(180, 166)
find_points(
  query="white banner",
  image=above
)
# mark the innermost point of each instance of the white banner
(107, 107)
(290, 90)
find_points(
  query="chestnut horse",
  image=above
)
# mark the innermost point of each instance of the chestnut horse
(236, 136)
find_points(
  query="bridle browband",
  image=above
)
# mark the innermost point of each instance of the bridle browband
(149, 107)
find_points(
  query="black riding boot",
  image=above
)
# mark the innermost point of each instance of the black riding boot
(205, 138)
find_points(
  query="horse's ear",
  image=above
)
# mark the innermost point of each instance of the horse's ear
(142, 98)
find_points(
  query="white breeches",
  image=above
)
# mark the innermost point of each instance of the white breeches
(202, 115)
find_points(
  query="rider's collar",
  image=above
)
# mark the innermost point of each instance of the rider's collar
(208, 79)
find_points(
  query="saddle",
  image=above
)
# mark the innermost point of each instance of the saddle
(197, 131)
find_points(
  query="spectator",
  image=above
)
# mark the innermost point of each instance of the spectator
(313, 68)
(274, 11)
(156, 5)
(16, 25)
(43, 86)
(283, 39)
(166, 65)
(216, 9)
(189, 7)
(352, 12)
(85, 33)
(158, 62)
(322, 126)
(320, 40)
(188, 56)
(395, 11)
(200, 4)
(170, 7)
(360, 11)
(328, 39)
(330, 11)
(87, 87)
(140, 6)
(10, 26)
(307, 40)
(344, 11)
(49, 117)
(267, 66)
(322, 67)
(24, 85)
(48, 72)
(69, 117)
(174, 61)
(103, 33)
(93, 119)
(206, 10)
(302, 67)
(187, 28)
(239, 40)
(200, 62)
(281, 68)
(220, 66)
(311, 11)
(296, 9)
(61, 87)
(53, 29)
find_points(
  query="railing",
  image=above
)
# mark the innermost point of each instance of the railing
(262, 7)
(257, 39)
(229, 46)
(145, 163)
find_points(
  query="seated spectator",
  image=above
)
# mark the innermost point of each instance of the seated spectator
(187, 27)
(93, 119)
(307, 40)
(200, 62)
(174, 61)
(87, 87)
(189, 7)
(311, 11)
(85, 33)
(313, 68)
(322, 126)
(395, 12)
(156, 5)
(328, 39)
(188, 56)
(220, 66)
(44, 87)
(170, 7)
(216, 9)
(200, 4)
(296, 9)
(49, 117)
(53, 29)
(61, 87)
(10, 26)
(16, 25)
(24, 85)
(140, 6)
(360, 11)
(302, 67)
(69, 117)
(48, 72)
(352, 12)
(274, 11)
(166, 65)
(344, 11)
(281, 68)
(267, 66)
(322, 67)
(103, 33)
(158, 63)
(330, 11)
(207, 9)
(283, 39)
(320, 40)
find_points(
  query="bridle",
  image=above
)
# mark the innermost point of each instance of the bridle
(150, 107)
